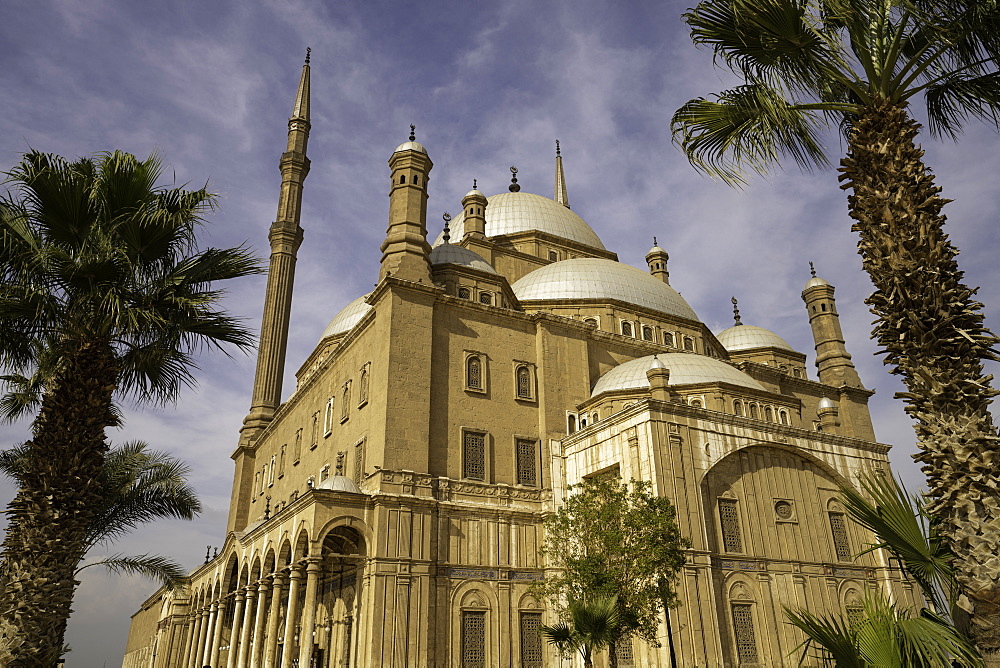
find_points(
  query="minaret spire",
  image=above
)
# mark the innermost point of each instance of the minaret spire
(285, 236)
(560, 195)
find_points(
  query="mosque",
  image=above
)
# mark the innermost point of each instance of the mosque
(389, 511)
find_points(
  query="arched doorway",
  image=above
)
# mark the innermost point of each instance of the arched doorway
(336, 639)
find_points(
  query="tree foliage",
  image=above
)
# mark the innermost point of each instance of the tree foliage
(593, 625)
(615, 540)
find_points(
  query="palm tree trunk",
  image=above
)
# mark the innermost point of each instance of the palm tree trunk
(933, 334)
(46, 537)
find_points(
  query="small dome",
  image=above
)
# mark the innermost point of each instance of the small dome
(825, 403)
(510, 213)
(473, 193)
(348, 317)
(685, 369)
(814, 281)
(655, 250)
(748, 337)
(340, 483)
(596, 278)
(411, 146)
(657, 363)
(452, 254)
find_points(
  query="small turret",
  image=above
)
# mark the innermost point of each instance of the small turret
(405, 250)
(657, 258)
(475, 203)
(658, 376)
(828, 414)
(833, 362)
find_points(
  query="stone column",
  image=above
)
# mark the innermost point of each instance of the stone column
(313, 570)
(234, 633)
(271, 649)
(292, 615)
(192, 645)
(258, 628)
(249, 609)
(213, 654)
(205, 645)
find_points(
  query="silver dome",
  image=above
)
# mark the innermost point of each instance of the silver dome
(657, 363)
(509, 213)
(452, 254)
(685, 369)
(748, 337)
(411, 146)
(348, 317)
(814, 281)
(473, 193)
(595, 278)
(825, 403)
(340, 483)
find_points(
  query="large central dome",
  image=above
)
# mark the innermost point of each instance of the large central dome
(509, 213)
(599, 279)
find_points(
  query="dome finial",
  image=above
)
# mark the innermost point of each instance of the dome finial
(812, 269)
(558, 151)
(308, 54)
(736, 311)
(446, 235)
(413, 128)
(474, 184)
(654, 242)
(513, 187)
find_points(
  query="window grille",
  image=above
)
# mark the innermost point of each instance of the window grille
(523, 383)
(729, 517)
(688, 344)
(531, 640)
(328, 417)
(668, 339)
(647, 333)
(768, 414)
(623, 651)
(840, 542)
(474, 456)
(553, 256)
(855, 615)
(486, 298)
(297, 450)
(753, 411)
(738, 408)
(527, 463)
(359, 462)
(346, 403)
(627, 328)
(464, 293)
(474, 373)
(746, 641)
(364, 385)
(473, 639)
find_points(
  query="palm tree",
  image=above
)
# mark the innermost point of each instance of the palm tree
(103, 295)
(809, 63)
(138, 486)
(593, 625)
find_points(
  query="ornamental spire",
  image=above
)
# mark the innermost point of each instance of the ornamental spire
(736, 311)
(301, 109)
(560, 195)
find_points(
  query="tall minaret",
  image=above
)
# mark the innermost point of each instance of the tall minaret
(833, 362)
(405, 251)
(285, 237)
(560, 195)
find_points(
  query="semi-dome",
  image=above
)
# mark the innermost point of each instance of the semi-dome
(348, 317)
(747, 337)
(596, 278)
(685, 369)
(509, 213)
(340, 483)
(453, 254)
(411, 146)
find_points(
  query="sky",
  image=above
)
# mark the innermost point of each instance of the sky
(209, 86)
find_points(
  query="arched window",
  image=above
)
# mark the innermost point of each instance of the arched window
(744, 634)
(783, 416)
(363, 386)
(822, 307)
(841, 543)
(523, 382)
(270, 472)
(738, 407)
(464, 293)
(688, 344)
(416, 180)
(553, 256)
(647, 333)
(696, 403)
(402, 178)
(796, 372)
(753, 411)
(768, 414)
(314, 432)
(669, 340)
(583, 421)
(345, 405)
(296, 449)
(473, 638)
(571, 424)
(594, 418)
(474, 373)
(729, 520)
(328, 417)
(486, 298)
(627, 328)
(592, 321)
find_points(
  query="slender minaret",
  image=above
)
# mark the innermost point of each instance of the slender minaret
(833, 362)
(475, 212)
(560, 195)
(657, 258)
(405, 251)
(285, 237)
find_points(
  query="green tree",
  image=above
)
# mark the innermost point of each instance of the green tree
(807, 64)
(610, 541)
(593, 625)
(103, 295)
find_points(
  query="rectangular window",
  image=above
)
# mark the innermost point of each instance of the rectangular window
(359, 462)
(263, 478)
(688, 344)
(840, 542)
(281, 461)
(623, 650)
(531, 640)
(668, 339)
(474, 455)
(527, 463)
(314, 432)
(473, 639)
(363, 385)
(729, 517)
(746, 641)
(297, 449)
(328, 418)
(345, 405)
(270, 477)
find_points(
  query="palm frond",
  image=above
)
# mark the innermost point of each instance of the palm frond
(749, 127)
(161, 569)
(952, 101)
